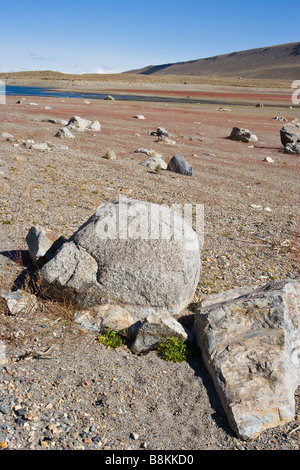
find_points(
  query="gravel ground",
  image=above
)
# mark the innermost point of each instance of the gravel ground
(62, 389)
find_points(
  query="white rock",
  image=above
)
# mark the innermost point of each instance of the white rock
(101, 316)
(139, 116)
(268, 159)
(154, 162)
(20, 302)
(250, 344)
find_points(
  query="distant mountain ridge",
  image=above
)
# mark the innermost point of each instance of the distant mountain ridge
(274, 62)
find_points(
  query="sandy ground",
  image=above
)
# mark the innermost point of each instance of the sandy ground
(60, 188)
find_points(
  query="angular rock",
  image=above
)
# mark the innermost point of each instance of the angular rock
(78, 123)
(140, 255)
(64, 132)
(179, 165)
(40, 146)
(19, 302)
(250, 343)
(42, 244)
(154, 162)
(101, 316)
(154, 329)
(292, 149)
(268, 160)
(290, 133)
(109, 97)
(242, 135)
(165, 140)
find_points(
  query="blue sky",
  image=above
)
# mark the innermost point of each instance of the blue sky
(108, 36)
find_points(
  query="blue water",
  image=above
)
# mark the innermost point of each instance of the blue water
(40, 91)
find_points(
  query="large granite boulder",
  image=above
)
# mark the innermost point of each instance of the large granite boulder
(250, 343)
(141, 256)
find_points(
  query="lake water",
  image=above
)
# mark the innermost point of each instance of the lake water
(47, 92)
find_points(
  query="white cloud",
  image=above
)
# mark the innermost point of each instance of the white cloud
(105, 69)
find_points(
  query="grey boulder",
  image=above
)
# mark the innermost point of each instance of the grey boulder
(141, 256)
(179, 165)
(242, 135)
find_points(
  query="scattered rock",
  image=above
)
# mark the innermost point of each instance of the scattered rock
(224, 109)
(161, 131)
(40, 146)
(290, 133)
(154, 162)
(19, 302)
(139, 116)
(63, 122)
(250, 345)
(76, 122)
(154, 329)
(101, 316)
(110, 155)
(47, 107)
(32, 104)
(151, 153)
(7, 136)
(278, 118)
(292, 148)
(165, 140)
(179, 165)
(42, 244)
(64, 132)
(147, 262)
(242, 135)
(268, 159)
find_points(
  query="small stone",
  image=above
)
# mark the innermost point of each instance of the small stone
(64, 132)
(134, 436)
(110, 155)
(3, 445)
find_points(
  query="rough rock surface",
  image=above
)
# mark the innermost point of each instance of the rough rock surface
(250, 344)
(64, 132)
(154, 162)
(136, 254)
(242, 135)
(156, 328)
(290, 133)
(76, 122)
(101, 316)
(19, 302)
(42, 244)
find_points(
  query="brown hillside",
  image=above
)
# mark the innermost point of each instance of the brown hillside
(275, 62)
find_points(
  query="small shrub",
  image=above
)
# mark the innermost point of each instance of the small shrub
(176, 349)
(110, 338)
